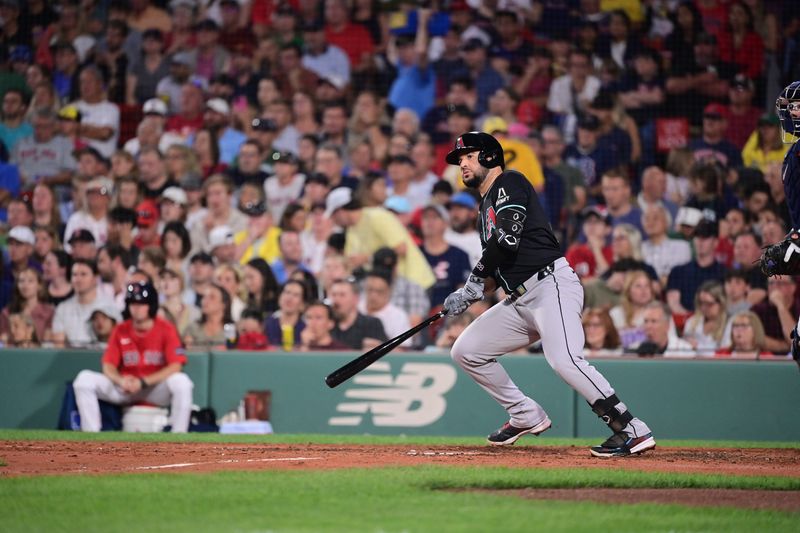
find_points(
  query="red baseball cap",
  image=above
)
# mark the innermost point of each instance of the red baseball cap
(714, 110)
(146, 213)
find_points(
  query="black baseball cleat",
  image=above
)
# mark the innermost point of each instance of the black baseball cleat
(621, 445)
(508, 434)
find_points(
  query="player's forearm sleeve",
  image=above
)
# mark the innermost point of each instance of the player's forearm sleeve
(491, 258)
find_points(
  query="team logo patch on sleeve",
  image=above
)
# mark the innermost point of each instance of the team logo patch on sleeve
(502, 197)
(491, 222)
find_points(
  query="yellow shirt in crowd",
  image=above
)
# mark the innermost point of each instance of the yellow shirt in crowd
(267, 247)
(754, 157)
(379, 228)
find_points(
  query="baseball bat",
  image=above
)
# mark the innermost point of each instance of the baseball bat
(342, 374)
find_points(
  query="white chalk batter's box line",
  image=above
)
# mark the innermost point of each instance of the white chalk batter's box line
(228, 461)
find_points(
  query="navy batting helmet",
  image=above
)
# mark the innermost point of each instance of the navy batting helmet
(491, 153)
(788, 102)
(144, 293)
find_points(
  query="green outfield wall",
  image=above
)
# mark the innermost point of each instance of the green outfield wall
(425, 394)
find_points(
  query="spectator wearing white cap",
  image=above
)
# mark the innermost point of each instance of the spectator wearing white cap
(20, 252)
(221, 245)
(154, 135)
(94, 216)
(101, 323)
(172, 206)
(218, 119)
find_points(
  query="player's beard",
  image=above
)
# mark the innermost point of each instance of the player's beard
(475, 180)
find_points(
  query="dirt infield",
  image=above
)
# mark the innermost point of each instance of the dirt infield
(35, 458)
(73, 457)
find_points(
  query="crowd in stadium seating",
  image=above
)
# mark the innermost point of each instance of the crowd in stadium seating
(279, 165)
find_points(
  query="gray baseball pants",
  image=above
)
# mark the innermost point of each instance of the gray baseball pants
(552, 308)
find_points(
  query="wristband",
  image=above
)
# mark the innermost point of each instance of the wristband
(143, 383)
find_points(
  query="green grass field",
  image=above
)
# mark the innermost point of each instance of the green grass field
(371, 500)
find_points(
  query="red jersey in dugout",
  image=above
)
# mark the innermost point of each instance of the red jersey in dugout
(141, 354)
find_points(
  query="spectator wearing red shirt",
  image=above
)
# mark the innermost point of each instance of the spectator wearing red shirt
(742, 114)
(354, 39)
(142, 363)
(593, 257)
(190, 117)
(740, 44)
(232, 35)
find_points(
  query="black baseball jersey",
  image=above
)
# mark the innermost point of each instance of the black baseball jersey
(791, 182)
(517, 238)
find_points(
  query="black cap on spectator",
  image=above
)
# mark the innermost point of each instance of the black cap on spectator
(206, 25)
(587, 121)
(254, 209)
(284, 157)
(384, 258)
(91, 150)
(705, 228)
(316, 177)
(264, 124)
(122, 215)
(81, 235)
(336, 241)
(202, 257)
(596, 211)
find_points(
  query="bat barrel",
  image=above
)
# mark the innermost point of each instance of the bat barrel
(342, 374)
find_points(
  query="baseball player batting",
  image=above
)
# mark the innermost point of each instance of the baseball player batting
(545, 296)
(783, 258)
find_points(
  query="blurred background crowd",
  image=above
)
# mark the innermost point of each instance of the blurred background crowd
(276, 168)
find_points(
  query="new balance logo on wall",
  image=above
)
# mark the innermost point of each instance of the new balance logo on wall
(415, 398)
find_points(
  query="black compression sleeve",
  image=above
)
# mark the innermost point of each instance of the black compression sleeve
(493, 254)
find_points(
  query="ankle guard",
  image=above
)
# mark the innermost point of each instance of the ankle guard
(606, 409)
